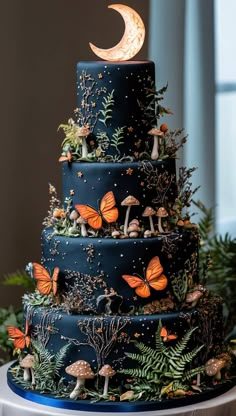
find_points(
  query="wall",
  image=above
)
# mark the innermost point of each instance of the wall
(41, 41)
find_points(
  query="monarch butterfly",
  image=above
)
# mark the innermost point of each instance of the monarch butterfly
(44, 282)
(153, 279)
(107, 211)
(21, 340)
(166, 336)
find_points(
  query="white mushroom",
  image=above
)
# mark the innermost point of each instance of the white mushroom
(149, 212)
(27, 364)
(83, 230)
(82, 133)
(73, 217)
(161, 213)
(129, 201)
(107, 372)
(82, 371)
(156, 133)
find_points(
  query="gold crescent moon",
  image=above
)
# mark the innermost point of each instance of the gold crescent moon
(132, 39)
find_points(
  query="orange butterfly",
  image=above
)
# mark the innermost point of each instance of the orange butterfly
(44, 282)
(67, 158)
(154, 279)
(108, 212)
(166, 336)
(21, 340)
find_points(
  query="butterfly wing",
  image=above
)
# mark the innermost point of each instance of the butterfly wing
(154, 276)
(141, 287)
(17, 335)
(55, 279)
(43, 279)
(91, 215)
(163, 332)
(107, 208)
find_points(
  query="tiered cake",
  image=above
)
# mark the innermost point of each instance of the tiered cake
(118, 294)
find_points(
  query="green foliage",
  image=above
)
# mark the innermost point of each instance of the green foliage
(163, 364)
(117, 138)
(8, 316)
(108, 103)
(19, 278)
(218, 254)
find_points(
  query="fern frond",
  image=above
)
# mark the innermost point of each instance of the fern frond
(108, 103)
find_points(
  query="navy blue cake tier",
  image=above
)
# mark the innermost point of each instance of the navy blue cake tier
(113, 95)
(152, 183)
(91, 269)
(108, 339)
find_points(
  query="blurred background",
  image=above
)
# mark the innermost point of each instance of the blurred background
(41, 42)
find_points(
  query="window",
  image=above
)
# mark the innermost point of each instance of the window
(225, 63)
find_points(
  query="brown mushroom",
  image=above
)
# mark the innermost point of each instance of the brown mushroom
(82, 371)
(128, 202)
(27, 364)
(213, 367)
(193, 297)
(156, 133)
(82, 221)
(161, 213)
(149, 212)
(107, 372)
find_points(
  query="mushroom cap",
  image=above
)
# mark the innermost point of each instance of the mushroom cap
(134, 221)
(80, 369)
(81, 220)
(133, 227)
(74, 215)
(148, 212)
(156, 132)
(27, 361)
(161, 212)
(213, 365)
(130, 200)
(106, 371)
(83, 131)
(193, 296)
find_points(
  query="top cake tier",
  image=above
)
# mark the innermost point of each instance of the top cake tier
(115, 101)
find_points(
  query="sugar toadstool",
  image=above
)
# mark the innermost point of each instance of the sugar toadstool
(128, 202)
(149, 212)
(82, 133)
(107, 372)
(193, 297)
(161, 213)
(73, 217)
(27, 364)
(82, 371)
(213, 367)
(156, 133)
(82, 221)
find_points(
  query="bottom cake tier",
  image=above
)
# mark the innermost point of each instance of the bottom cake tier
(126, 358)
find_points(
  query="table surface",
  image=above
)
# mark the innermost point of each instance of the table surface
(14, 405)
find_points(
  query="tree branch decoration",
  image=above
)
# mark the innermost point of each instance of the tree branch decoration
(160, 182)
(101, 335)
(108, 103)
(163, 364)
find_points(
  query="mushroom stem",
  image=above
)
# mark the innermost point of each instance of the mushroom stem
(32, 377)
(83, 230)
(79, 384)
(105, 389)
(26, 375)
(151, 224)
(84, 147)
(155, 153)
(160, 225)
(127, 220)
(198, 379)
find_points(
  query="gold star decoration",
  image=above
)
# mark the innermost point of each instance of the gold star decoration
(130, 129)
(80, 174)
(72, 192)
(100, 76)
(129, 171)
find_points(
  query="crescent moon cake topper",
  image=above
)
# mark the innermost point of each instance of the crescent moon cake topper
(132, 39)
